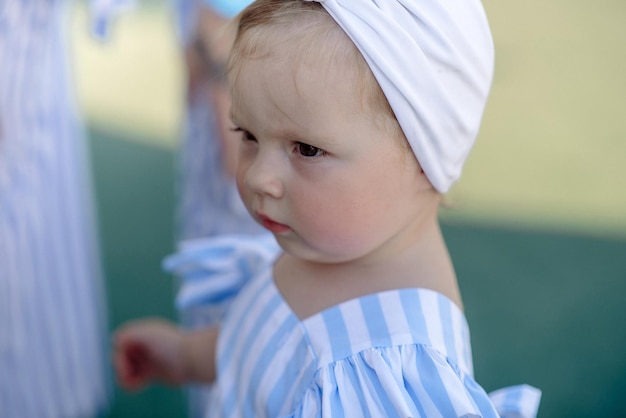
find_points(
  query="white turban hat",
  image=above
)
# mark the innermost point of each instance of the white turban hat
(433, 60)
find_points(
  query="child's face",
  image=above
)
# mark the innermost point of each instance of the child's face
(314, 166)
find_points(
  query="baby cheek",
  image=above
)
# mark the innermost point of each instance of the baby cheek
(336, 226)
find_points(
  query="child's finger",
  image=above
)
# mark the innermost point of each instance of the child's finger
(132, 366)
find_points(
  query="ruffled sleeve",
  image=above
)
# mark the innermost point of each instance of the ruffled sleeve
(408, 381)
(520, 401)
(404, 381)
(403, 353)
(213, 270)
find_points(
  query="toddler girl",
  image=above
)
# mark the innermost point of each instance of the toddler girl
(355, 117)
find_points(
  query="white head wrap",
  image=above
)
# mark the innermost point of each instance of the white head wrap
(433, 60)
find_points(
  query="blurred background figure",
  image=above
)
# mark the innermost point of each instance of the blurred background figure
(209, 203)
(53, 361)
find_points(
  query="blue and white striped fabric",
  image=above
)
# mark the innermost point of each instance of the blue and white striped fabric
(53, 360)
(234, 258)
(399, 353)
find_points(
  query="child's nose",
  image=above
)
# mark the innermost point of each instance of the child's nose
(263, 175)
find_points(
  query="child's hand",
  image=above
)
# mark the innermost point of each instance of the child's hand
(149, 350)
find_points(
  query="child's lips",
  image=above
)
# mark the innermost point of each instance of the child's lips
(271, 225)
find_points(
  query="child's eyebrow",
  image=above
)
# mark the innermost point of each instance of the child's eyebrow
(322, 142)
(292, 135)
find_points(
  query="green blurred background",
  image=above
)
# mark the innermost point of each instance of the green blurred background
(537, 225)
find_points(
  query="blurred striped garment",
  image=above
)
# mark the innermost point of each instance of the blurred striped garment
(53, 360)
(209, 203)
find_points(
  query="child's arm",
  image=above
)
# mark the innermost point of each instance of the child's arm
(154, 350)
(199, 349)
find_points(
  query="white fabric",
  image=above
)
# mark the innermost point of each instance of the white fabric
(434, 62)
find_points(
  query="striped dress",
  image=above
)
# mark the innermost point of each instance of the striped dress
(53, 361)
(399, 353)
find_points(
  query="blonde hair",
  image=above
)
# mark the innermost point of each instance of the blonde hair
(267, 27)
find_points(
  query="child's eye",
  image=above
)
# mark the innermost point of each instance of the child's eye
(309, 151)
(245, 134)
